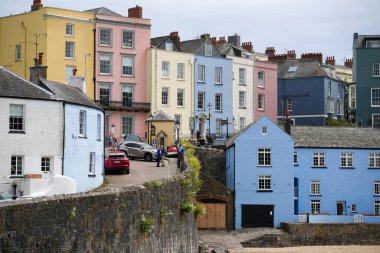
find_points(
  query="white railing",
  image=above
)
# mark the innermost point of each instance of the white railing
(358, 218)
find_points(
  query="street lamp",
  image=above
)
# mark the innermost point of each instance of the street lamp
(209, 106)
(177, 125)
(150, 118)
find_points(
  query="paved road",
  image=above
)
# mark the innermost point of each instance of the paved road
(140, 172)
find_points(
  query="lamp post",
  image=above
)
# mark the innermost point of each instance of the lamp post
(209, 106)
(150, 118)
(177, 125)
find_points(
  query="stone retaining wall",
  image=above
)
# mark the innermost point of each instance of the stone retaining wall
(213, 163)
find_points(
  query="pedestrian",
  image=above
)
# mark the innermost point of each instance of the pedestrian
(163, 156)
(159, 154)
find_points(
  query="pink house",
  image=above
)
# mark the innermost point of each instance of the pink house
(265, 92)
(120, 56)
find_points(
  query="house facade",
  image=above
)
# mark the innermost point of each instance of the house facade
(213, 113)
(365, 92)
(309, 91)
(335, 178)
(170, 80)
(121, 60)
(65, 37)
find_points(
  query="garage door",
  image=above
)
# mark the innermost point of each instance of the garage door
(257, 216)
(215, 216)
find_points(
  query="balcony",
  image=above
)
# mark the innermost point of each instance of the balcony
(123, 106)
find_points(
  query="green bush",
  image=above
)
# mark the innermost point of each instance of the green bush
(147, 224)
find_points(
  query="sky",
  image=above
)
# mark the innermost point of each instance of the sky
(306, 26)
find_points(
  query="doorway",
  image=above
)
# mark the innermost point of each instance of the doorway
(257, 216)
(340, 207)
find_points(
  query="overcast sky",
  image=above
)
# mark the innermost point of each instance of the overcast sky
(306, 26)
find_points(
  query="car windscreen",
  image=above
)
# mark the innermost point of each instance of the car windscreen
(116, 156)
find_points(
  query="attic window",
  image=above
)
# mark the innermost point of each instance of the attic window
(208, 50)
(292, 69)
(264, 130)
(169, 46)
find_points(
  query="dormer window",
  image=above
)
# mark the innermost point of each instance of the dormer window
(292, 69)
(169, 46)
(264, 130)
(208, 50)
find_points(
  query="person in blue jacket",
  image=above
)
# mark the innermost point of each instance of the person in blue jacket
(160, 152)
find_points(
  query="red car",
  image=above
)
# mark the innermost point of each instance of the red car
(117, 161)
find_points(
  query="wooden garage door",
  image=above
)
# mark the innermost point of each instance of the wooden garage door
(215, 216)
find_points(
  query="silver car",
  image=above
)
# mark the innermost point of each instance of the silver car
(140, 150)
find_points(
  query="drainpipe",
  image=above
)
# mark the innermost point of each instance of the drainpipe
(192, 84)
(155, 80)
(23, 26)
(64, 132)
(94, 78)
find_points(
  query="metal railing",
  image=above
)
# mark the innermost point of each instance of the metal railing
(123, 105)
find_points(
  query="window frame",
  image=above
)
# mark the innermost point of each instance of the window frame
(98, 127)
(242, 99)
(346, 159)
(260, 102)
(339, 107)
(165, 99)
(125, 120)
(289, 104)
(218, 127)
(295, 158)
(263, 156)
(91, 167)
(315, 204)
(330, 105)
(18, 55)
(377, 188)
(261, 81)
(241, 122)
(180, 100)
(264, 183)
(320, 158)
(180, 71)
(168, 46)
(69, 50)
(315, 187)
(377, 207)
(129, 56)
(72, 30)
(201, 101)
(110, 66)
(82, 124)
(352, 98)
(377, 97)
(165, 73)
(218, 102)
(374, 121)
(208, 50)
(19, 169)
(218, 75)
(242, 76)
(375, 156)
(46, 164)
(110, 39)
(376, 69)
(124, 43)
(329, 89)
(201, 73)
(13, 117)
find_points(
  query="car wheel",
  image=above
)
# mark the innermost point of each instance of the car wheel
(126, 171)
(148, 157)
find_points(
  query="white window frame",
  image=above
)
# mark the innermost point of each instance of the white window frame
(377, 98)
(169, 46)
(329, 89)
(104, 98)
(377, 188)
(109, 39)
(330, 105)
(315, 206)
(354, 208)
(377, 207)
(46, 164)
(18, 165)
(241, 122)
(347, 159)
(165, 69)
(165, 96)
(295, 158)
(376, 69)
(180, 71)
(339, 107)
(125, 127)
(261, 102)
(218, 102)
(18, 55)
(289, 104)
(109, 62)
(99, 127)
(374, 160)
(91, 167)
(319, 159)
(208, 50)
(69, 72)
(218, 126)
(69, 49)
(129, 69)
(201, 100)
(261, 80)
(315, 187)
(242, 76)
(264, 130)
(242, 99)
(180, 97)
(218, 75)
(352, 96)
(264, 157)
(82, 123)
(69, 31)
(375, 123)
(201, 73)
(264, 183)
(16, 112)
(125, 41)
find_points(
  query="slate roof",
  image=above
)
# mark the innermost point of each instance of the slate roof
(158, 41)
(68, 93)
(305, 68)
(360, 41)
(11, 85)
(104, 11)
(190, 46)
(161, 116)
(224, 48)
(336, 137)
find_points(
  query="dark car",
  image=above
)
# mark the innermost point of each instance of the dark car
(117, 161)
(138, 150)
(132, 137)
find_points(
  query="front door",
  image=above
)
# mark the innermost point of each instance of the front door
(340, 208)
(257, 216)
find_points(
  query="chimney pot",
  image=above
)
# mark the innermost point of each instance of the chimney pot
(248, 46)
(135, 12)
(175, 38)
(74, 71)
(40, 56)
(36, 5)
(270, 51)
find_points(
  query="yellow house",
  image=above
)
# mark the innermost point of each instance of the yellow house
(161, 130)
(65, 37)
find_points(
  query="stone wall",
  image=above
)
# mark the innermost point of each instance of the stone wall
(213, 163)
(107, 221)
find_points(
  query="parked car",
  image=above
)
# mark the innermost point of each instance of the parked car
(140, 150)
(132, 137)
(117, 161)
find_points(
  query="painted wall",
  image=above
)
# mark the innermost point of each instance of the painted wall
(247, 111)
(50, 25)
(77, 149)
(247, 171)
(269, 90)
(156, 82)
(352, 185)
(210, 89)
(166, 130)
(141, 29)
(43, 137)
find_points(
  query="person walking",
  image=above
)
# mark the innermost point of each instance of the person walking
(163, 156)
(159, 155)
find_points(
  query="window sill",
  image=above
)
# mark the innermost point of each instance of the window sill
(218, 83)
(202, 82)
(242, 84)
(16, 132)
(17, 60)
(105, 74)
(261, 87)
(347, 168)
(374, 168)
(127, 47)
(264, 190)
(98, 140)
(91, 175)
(180, 79)
(130, 76)
(20, 176)
(260, 109)
(319, 167)
(296, 165)
(315, 195)
(104, 45)
(242, 107)
(376, 195)
(375, 76)
(165, 78)
(68, 58)
(265, 166)
(82, 137)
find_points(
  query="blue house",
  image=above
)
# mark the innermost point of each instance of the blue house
(329, 174)
(310, 91)
(213, 88)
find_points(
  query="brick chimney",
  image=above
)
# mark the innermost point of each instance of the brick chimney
(38, 70)
(247, 46)
(176, 39)
(215, 41)
(74, 71)
(234, 40)
(222, 40)
(36, 5)
(312, 56)
(348, 63)
(205, 36)
(270, 51)
(278, 57)
(135, 12)
(330, 60)
(292, 54)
